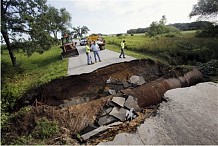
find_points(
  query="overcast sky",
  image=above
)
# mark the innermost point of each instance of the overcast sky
(118, 16)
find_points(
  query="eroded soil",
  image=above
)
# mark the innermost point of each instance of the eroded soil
(75, 102)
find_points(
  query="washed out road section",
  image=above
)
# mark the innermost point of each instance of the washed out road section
(78, 64)
(188, 117)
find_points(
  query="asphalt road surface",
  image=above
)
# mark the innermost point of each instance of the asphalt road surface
(78, 64)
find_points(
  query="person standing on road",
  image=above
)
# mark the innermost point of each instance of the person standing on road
(88, 53)
(122, 49)
(95, 49)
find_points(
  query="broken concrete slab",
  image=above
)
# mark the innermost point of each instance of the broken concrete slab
(106, 120)
(112, 92)
(126, 84)
(111, 81)
(106, 111)
(119, 113)
(137, 80)
(115, 124)
(132, 102)
(94, 132)
(112, 104)
(119, 101)
(89, 128)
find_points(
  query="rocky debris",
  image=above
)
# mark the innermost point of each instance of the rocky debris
(110, 103)
(89, 128)
(94, 132)
(107, 120)
(99, 130)
(105, 111)
(119, 113)
(137, 80)
(119, 101)
(112, 92)
(126, 84)
(111, 81)
(132, 102)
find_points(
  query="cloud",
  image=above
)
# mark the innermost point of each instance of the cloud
(118, 7)
(89, 5)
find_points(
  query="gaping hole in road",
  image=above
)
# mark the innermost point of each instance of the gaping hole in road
(83, 103)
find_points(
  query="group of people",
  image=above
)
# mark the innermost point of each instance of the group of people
(95, 48)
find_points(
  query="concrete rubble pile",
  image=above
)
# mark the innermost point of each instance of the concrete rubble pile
(117, 110)
(135, 95)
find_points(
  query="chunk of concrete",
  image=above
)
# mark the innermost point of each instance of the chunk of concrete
(132, 102)
(110, 103)
(94, 132)
(106, 111)
(112, 92)
(137, 80)
(115, 124)
(119, 113)
(126, 84)
(106, 120)
(88, 129)
(119, 100)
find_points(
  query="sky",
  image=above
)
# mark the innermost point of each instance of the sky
(118, 16)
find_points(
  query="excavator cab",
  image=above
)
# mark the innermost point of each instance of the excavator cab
(68, 47)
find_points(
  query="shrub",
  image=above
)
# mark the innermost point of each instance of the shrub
(119, 34)
(45, 128)
(208, 32)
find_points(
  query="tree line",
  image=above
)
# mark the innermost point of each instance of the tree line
(181, 26)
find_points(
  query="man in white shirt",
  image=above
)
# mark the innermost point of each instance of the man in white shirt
(95, 49)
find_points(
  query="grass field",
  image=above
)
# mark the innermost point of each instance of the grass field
(177, 49)
(31, 72)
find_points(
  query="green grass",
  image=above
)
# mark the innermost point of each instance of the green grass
(31, 72)
(137, 55)
(176, 50)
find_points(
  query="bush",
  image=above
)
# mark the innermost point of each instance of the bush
(171, 34)
(45, 128)
(119, 34)
(208, 32)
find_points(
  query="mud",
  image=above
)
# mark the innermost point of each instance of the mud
(75, 102)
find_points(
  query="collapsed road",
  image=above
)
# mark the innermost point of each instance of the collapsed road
(96, 103)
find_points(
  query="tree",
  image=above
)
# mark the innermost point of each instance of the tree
(205, 8)
(57, 21)
(79, 31)
(19, 17)
(161, 28)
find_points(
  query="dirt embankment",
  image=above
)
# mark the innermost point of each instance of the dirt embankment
(75, 102)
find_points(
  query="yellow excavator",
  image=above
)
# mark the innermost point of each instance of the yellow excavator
(68, 47)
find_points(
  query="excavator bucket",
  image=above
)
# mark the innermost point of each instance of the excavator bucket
(68, 47)
(69, 50)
